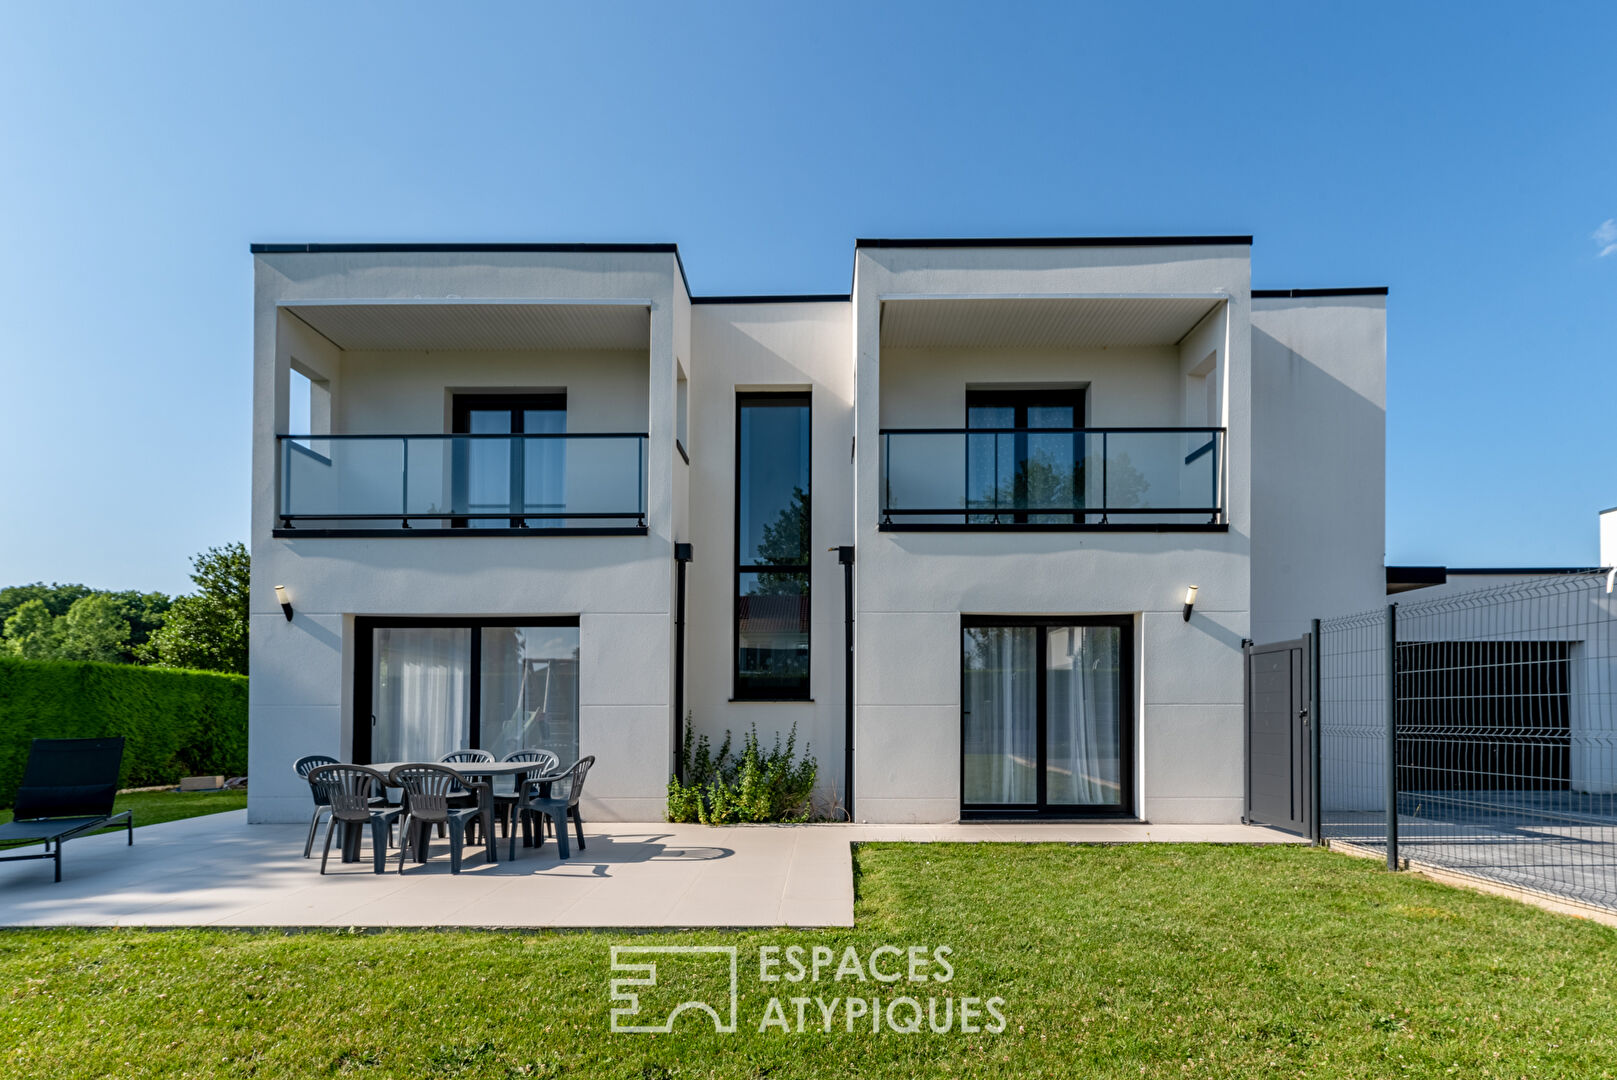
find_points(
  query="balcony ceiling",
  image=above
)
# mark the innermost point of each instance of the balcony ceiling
(1032, 322)
(476, 327)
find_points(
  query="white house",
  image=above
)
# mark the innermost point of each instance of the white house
(546, 496)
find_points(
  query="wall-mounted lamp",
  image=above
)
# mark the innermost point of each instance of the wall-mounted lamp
(282, 598)
(1190, 601)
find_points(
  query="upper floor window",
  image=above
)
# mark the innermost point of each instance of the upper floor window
(519, 477)
(772, 546)
(1012, 465)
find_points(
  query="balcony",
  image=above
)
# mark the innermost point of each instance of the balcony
(503, 485)
(1052, 479)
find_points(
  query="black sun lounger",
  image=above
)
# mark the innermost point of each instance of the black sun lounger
(67, 790)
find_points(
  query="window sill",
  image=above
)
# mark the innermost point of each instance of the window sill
(771, 701)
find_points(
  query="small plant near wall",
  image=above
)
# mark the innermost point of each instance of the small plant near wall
(753, 786)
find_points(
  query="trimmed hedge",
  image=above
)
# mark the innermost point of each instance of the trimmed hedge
(175, 723)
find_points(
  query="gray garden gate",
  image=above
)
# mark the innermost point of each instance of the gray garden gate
(1279, 784)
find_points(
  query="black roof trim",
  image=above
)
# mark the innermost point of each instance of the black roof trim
(371, 249)
(789, 298)
(1055, 241)
(277, 249)
(1300, 294)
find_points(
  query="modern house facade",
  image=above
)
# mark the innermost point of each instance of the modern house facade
(547, 497)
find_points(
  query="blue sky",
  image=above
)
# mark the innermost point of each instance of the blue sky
(1464, 155)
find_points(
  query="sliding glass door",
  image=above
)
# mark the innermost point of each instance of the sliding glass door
(424, 687)
(1046, 716)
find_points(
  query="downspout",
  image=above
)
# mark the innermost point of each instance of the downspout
(682, 556)
(845, 557)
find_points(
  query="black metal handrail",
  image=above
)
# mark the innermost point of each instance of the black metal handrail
(464, 515)
(1018, 512)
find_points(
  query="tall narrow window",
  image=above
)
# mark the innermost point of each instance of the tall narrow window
(772, 546)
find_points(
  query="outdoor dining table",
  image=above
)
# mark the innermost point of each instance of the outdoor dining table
(471, 771)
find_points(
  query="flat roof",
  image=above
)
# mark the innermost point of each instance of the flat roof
(810, 298)
(373, 249)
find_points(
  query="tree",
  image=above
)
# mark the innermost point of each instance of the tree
(31, 631)
(207, 630)
(56, 598)
(92, 629)
(144, 612)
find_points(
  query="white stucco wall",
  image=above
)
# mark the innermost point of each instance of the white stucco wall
(619, 587)
(769, 346)
(912, 588)
(1319, 452)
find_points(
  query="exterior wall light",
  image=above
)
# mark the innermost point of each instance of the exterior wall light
(285, 600)
(1190, 601)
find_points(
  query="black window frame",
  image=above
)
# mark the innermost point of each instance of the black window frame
(739, 691)
(1021, 399)
(461, 408)
(365, 666)
(1127, 721)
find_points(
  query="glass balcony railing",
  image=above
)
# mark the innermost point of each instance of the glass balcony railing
(1054, 478)
(543, 483)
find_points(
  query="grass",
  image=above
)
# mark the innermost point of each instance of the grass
(155, 807)
(1153, 961)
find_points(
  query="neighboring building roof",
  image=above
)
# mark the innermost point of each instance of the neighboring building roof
(1404, 578)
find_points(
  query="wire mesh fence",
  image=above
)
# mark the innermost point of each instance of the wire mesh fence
(1504, 704)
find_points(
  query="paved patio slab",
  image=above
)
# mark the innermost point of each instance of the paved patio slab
(219, 871)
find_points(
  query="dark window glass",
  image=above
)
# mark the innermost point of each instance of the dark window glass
(518, 477)
(772, 546)
(1012, 468)
(429, 686)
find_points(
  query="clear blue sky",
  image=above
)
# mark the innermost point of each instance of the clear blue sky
(1465, 155)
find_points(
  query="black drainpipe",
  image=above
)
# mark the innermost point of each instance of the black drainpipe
(682, 555)
(845, 557)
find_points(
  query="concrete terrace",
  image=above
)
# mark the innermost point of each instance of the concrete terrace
(218, 871)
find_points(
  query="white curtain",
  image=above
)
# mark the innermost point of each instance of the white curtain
(421, 693)
(1083, 723)
(1001, 756)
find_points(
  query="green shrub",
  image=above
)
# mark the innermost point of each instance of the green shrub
(175, 723)
(754, 786)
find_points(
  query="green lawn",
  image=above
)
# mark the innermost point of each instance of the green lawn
(1156, 961)
(154, 807)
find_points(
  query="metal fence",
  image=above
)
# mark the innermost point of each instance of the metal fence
(1502, 757)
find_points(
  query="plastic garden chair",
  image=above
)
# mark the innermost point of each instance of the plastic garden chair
(350, 791)
(505, 802)
(556, 797)
(466, 756)
(303, 766)
(429, 794)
